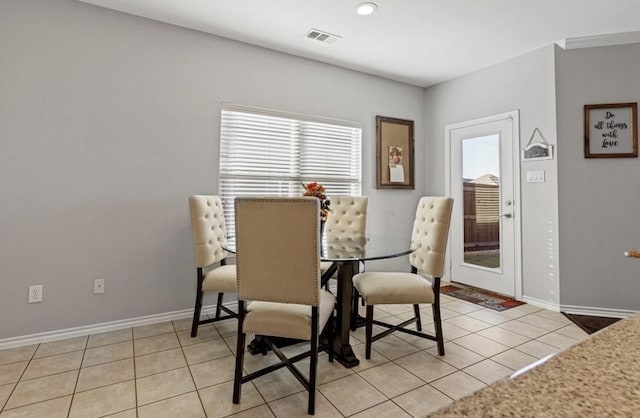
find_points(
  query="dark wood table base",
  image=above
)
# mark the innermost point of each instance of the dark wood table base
(259, 346)
(346, 356)
(341, 346)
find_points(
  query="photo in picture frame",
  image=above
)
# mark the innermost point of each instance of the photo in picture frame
(395, 159)
(611, 130)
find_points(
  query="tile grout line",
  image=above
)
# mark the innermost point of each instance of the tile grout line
(407, 412)
(403, 393)
(521, 344)
(51, 374)
(329, 400)
(36, 403)
(107, 385)
(108, 344)
(75, 386)
(73, 394)
(370, 407)
(19, 379)
(135, 374)
(456, 367)
(110, 361)
(195, 386)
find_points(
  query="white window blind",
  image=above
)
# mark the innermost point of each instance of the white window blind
(269, 153)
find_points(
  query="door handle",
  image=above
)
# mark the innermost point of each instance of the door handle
(507, 215)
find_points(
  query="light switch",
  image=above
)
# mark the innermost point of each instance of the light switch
(535, 176)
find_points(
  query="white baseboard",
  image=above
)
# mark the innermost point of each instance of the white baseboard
(49, 336)
(541, 303)
(591, 311)
(579, 310)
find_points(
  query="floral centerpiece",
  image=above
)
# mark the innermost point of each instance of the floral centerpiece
(317, 190)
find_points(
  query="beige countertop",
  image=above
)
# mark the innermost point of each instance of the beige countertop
(599, 377)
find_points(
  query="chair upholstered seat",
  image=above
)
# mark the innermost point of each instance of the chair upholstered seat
(220, 279)
(379, 288)
(286, 319)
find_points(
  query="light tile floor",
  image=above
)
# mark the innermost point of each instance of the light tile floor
(160, 371)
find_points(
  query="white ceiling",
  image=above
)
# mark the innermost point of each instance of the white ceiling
(421, 42)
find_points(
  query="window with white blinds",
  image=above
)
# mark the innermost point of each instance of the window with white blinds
(269, 153)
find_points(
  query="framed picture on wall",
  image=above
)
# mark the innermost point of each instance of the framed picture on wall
(395, 160)
(611, 130)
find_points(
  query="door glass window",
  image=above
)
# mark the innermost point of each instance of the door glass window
(481, 198)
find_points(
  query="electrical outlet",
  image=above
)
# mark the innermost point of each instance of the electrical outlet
(98, 286)
(35, 294)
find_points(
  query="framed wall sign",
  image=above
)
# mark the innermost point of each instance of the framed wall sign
(395, 161)
(611, 130)
(537, 148)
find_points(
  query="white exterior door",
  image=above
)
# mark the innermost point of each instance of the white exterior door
(483, 179)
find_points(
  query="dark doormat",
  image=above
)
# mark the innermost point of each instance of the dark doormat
(590, 324)
(481, 297)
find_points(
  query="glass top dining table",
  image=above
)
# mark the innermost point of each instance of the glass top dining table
(357, 248)
(347, 253)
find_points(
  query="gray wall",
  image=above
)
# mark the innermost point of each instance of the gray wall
(598, 197)
(526, 83)
(108, 122)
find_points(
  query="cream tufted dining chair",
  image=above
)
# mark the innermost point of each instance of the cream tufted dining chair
(280, 274)
(429, 238)
(348, 218)
(208, 233)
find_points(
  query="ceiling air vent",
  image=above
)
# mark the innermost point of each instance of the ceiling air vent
(322, 36)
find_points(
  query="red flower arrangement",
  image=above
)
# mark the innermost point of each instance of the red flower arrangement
(317, 190)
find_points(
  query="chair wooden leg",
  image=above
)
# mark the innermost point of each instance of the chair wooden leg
(362, 299)
(438, 327)
(313, 361)
(332, 328)
(368, 331)
(416, 311)
(198, 307)
(196, 314)
(219, 304)
(354, 309)
(237, 380)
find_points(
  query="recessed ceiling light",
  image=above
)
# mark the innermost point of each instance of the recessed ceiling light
(365, 9)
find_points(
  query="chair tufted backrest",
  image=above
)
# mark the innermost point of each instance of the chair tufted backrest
(207, 229)
(278, 249)
(430, 233)
(348, 217)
